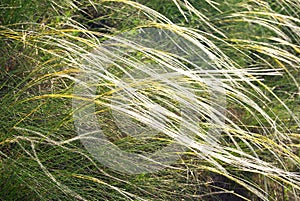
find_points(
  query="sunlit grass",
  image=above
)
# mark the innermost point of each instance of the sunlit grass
(253, 48)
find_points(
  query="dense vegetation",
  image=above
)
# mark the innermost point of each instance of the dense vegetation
(249, 152)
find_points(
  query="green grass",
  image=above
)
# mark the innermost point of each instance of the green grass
(45, 47)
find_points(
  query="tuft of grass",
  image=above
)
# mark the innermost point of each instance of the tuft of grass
(48, 49)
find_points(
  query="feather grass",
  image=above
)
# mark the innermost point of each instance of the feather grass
(252, 144)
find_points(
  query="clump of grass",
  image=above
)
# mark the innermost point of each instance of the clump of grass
(248, 44)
